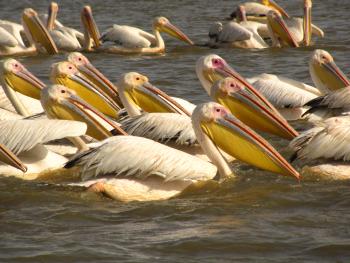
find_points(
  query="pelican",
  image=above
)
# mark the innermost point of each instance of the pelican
(131, 40)
(37, 39)
(25, 139)
(63, 103)
(237, 98)
(300, 29)
(94, 75)
(327, 142)
(258, 11)
(212, 68)
(145, 170)
(20, 89)
(65, 73)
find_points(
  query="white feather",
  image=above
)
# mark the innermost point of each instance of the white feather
(23, 135)
(140, 157)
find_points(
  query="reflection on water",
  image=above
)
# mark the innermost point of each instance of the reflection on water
(257, 217)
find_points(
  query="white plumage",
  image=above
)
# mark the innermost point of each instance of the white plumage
(330, 139)
(284, 92)
(161, 127)
(128, 37)
(23, 135)
(137, 157)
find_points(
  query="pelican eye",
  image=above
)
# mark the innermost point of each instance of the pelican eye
(137, 78)
(79, 59)
(70, 67)
(63, 91)
(217, 110)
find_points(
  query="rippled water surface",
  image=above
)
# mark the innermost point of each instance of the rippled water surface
(256, 218)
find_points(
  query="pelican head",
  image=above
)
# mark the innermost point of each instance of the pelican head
(63, 103)
(67, 74)
(211, 68)
(18, 78)
(8, 157)
(162, 24)
(93, 74)
(137, 93)
(215, 127)
(325, 73)
(37, 32)
(246, 107)
(280, 29)
(90, 25)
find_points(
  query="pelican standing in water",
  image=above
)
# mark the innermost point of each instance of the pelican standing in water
(25, 139)
(13, 43)
(131, 40)
(327, 142)
(145, 170)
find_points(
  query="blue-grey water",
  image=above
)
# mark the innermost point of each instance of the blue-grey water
(256, 218)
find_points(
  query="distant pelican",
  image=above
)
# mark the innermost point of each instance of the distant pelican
(145, 170)
(258, 11)
(300, 29)
(67, 39)
(131, 40)
(25, 138)
(11, 36)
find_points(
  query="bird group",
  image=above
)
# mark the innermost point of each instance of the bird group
(132, 141)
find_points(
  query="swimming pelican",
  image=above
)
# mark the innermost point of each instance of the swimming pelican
(243, 33)
(25, 139)
(212, 68)
(65, 73)
(145, 170)
(237, 98)
(94, 75)
(328, 142)
(131, 40)
(300, 29)
(258, 11)
(37, 39)
(66, 38)
(21, 89)
(63, 103)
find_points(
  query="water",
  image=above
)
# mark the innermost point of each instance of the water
(256, 218)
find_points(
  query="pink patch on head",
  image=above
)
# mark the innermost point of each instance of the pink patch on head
(218, 63)
(16, 66)
(219, 111)
(233, 86)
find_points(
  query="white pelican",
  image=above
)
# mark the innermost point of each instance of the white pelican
(63, 103)
(145, 170)
(131, 40)
(66, 38)
(37, 39)
(211, 68)
(258, 11)
(65, 73)
(25, 138)
(300, 29)
(94, 75)
(328, 141)
(21, 89)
